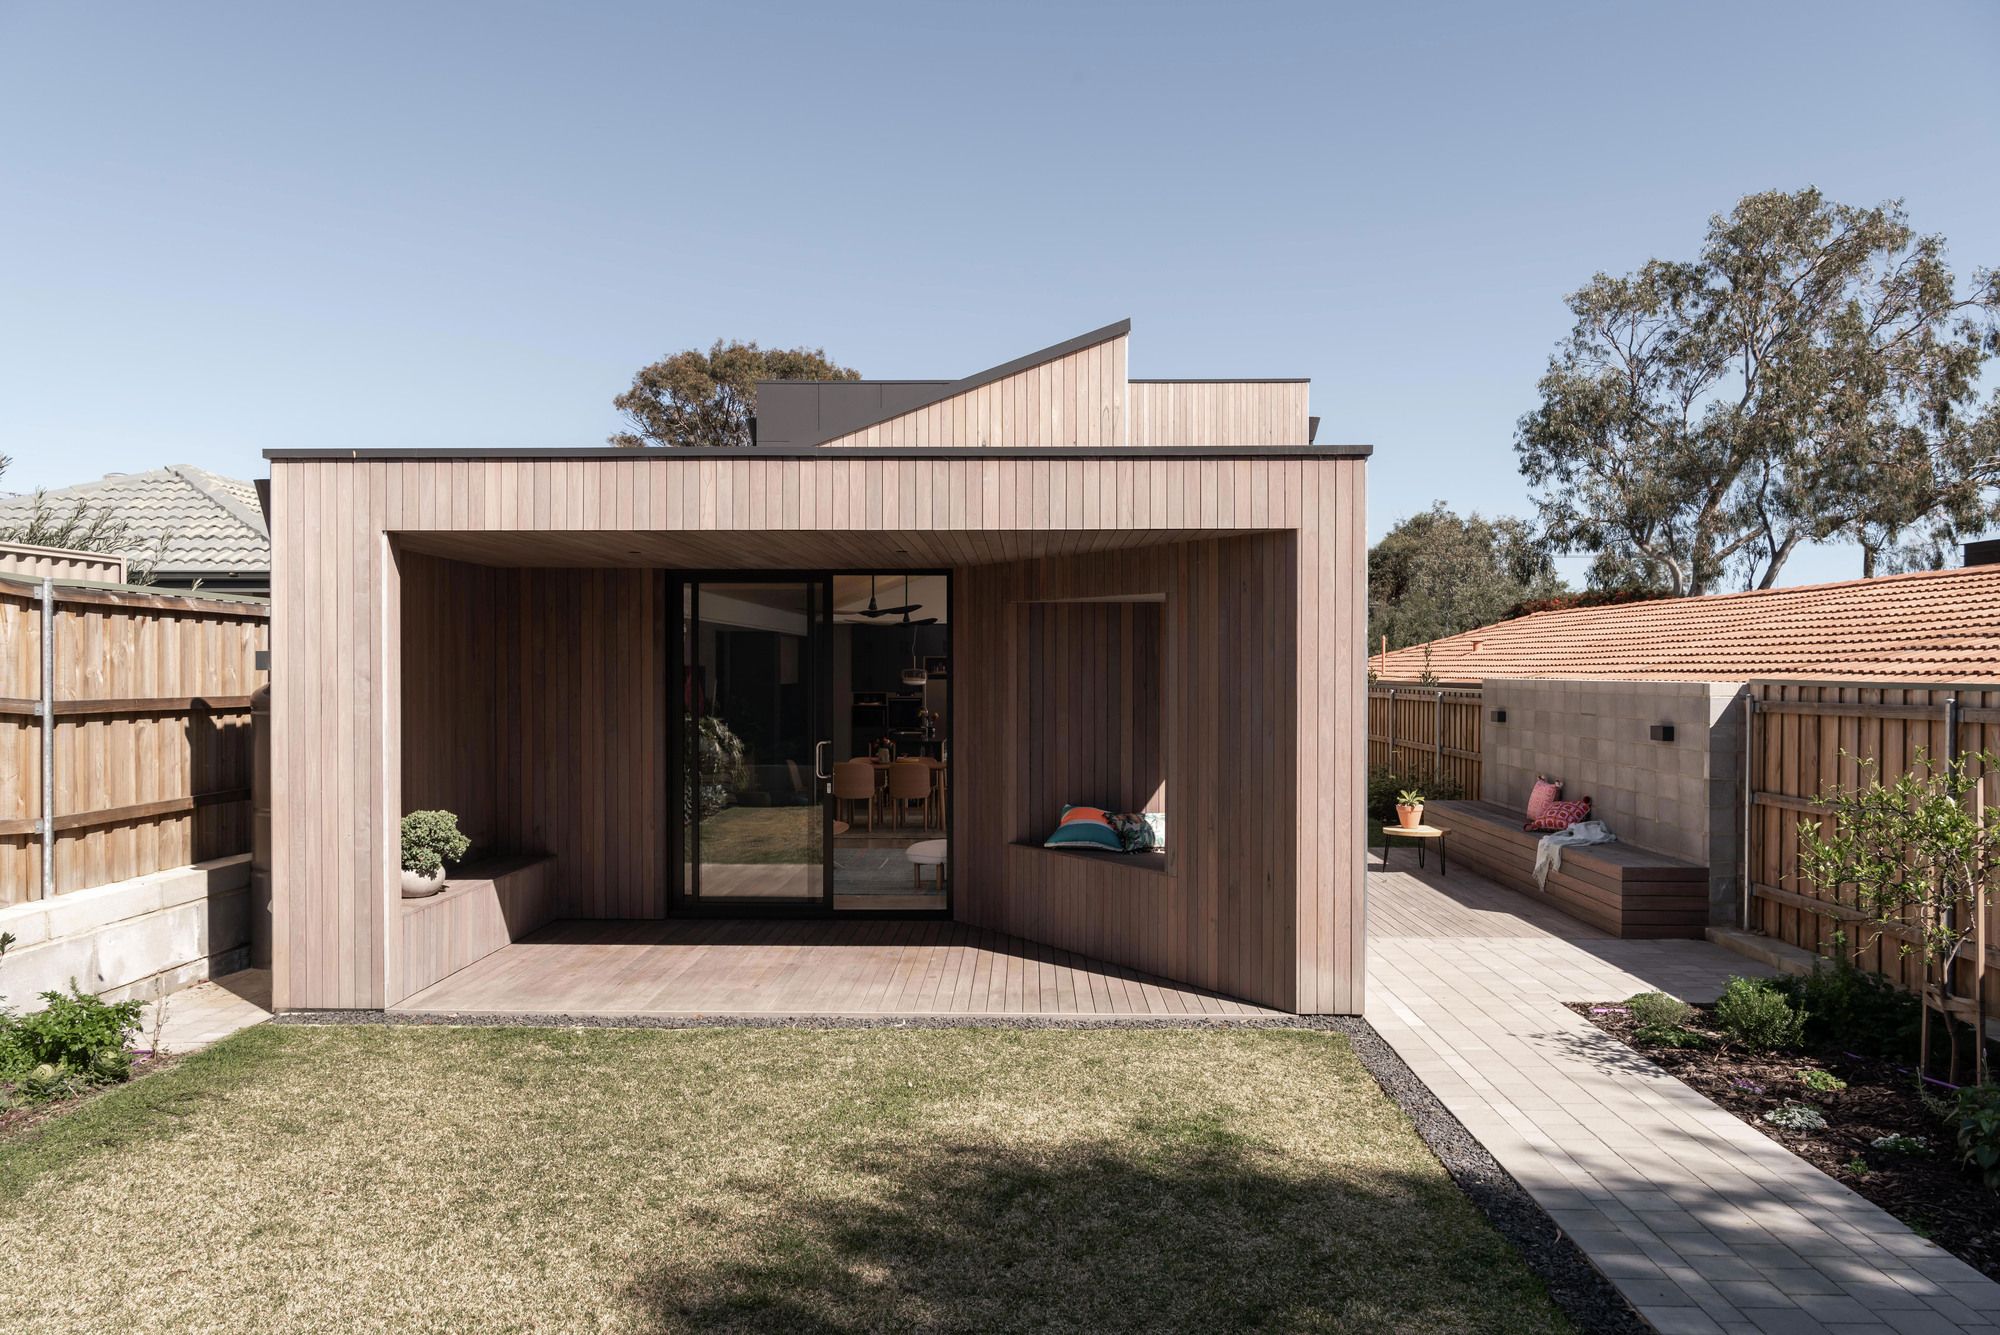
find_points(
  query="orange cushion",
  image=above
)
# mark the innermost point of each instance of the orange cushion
(1094, 814)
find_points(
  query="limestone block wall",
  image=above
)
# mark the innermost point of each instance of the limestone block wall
(1682, 798)
(139, 938)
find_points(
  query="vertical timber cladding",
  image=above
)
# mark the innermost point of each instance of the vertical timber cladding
(534, 707)
(1265, 899)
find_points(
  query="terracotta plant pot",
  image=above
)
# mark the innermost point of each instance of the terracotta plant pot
(420, 887)
(1410, 817)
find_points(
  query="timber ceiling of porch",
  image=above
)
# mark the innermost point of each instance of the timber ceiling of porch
(773, 549)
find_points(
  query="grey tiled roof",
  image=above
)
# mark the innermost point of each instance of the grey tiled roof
(213, 525)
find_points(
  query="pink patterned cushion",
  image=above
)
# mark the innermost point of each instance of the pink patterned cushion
(1560, 816)
(1546, 791)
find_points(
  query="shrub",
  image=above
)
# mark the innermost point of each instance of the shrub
(1385, 785)
(1974, 1120)
(1796, 1117)
(73, 1030)
(1658, 1010)
(1901, 1144)
(1861, 1011)
(75, 1042)
(1756, 1013)
(1821, 1082)
(431, 839)
(1670, 1036)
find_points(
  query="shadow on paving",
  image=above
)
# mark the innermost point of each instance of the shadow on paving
(1192, 1232)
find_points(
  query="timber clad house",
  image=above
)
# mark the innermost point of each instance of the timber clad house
(856, 671)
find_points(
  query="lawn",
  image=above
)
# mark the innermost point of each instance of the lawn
(743, 835)
(429, 1179)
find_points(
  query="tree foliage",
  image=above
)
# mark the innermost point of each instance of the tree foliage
(1917, 857)
(1437, 573)
(80, 527)
(1812, 375)
(706, 398)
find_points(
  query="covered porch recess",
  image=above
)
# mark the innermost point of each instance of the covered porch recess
(685, 967)
(634, 674)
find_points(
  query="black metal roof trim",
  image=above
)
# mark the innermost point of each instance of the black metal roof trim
(775, 452)
(953, 388)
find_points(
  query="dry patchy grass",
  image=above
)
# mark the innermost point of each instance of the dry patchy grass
(759, 1179)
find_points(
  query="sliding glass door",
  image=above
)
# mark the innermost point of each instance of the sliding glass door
(754, 812)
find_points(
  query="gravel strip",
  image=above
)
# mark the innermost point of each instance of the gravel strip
(1585, 1295)
(1583, 1292)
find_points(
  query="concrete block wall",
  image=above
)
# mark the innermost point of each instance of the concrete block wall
(139, 938)
(1682, 798)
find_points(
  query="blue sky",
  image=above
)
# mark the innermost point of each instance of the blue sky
(231, 227)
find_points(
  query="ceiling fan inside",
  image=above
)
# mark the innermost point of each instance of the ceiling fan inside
(912, 607)
(873, 611)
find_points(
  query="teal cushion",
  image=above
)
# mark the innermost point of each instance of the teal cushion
(1085, 834)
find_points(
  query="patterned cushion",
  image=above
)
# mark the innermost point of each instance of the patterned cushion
(1084, 827)
(1545, 792)
(1561, 815)
(1141, 831)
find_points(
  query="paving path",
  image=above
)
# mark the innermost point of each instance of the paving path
(1702, 1222)
(205, 1013)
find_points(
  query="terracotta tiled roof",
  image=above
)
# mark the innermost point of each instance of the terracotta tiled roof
(214, 525)
(1940, 625)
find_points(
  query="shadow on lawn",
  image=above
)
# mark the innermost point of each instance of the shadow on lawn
(1191, 1230)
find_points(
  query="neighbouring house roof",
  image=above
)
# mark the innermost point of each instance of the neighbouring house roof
(1939, 625)
(213, 526)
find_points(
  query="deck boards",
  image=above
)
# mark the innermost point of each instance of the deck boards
(715, 967)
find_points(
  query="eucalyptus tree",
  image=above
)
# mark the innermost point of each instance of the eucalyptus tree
(1813, 375)
(706, 398)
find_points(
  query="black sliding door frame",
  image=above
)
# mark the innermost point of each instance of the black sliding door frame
(684, 836)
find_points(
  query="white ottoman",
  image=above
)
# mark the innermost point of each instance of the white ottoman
(929, 853)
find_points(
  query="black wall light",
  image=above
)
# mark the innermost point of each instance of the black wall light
(1498, 716)
(1661, 732)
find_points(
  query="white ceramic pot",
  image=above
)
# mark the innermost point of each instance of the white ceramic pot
(418, 887)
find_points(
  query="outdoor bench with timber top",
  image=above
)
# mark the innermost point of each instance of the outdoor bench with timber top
(484, 905)
(1618, 888)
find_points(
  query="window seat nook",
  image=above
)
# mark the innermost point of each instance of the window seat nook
(1152, 863)
(485, 905)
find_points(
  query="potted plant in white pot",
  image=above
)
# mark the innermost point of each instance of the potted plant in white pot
(430, 840)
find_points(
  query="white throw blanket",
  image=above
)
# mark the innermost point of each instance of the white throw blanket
(1549, 851)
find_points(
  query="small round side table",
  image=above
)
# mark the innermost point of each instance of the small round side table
(1422, 835)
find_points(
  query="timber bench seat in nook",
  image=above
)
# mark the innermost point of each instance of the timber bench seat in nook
(485, 905)
(1620, 888)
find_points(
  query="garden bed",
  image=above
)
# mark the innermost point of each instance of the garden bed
(1930, 1192)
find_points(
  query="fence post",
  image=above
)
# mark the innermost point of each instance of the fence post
(1392, 730)
(46, 709)
(1437, 737)
(1748, 854)
(1951, 914)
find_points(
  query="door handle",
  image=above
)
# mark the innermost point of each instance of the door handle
(819, 749)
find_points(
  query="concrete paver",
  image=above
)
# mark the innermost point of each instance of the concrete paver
(1700, 1220)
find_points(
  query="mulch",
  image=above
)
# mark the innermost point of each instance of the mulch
(1931, 1193)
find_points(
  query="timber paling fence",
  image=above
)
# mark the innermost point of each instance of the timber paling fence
(1806, 738)
(125, 733)
(1428, 732)
(1797, 734)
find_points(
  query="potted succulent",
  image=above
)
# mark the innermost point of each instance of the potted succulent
(430, 840)
(1409, 808)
